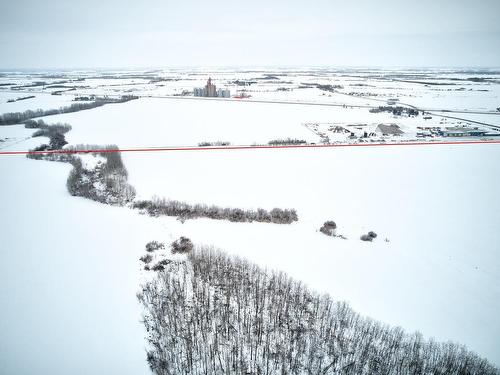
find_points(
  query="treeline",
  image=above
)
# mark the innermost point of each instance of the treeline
(104, 182)
(396, 110)
(12, 118)
(21, 98)
(287, 141)
(210, 144)
(329, 88)
(29, 85)
(215, 314)
(160, 206)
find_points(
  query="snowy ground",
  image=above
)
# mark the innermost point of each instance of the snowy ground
(184, 122)
(162, 122)
(437, 205)
(40, 101)
(68, 277)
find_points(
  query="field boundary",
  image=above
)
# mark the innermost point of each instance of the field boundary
(245, 147)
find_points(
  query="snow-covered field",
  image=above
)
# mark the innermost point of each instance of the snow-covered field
(155, 122)
(185, 122)
(68, 277)
(437, 205)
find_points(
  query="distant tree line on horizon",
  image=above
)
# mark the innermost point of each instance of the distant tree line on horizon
(396, 110)
(21, 98)
(326, 87)
(13, 118)
(217, 314)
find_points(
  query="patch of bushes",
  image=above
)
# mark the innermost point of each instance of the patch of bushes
(154, 245)
(54, 132)
(329, 228)
(182, 246)
(368, 237)
(106, 183)
(146, 258)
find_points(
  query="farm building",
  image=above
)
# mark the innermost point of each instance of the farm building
(462, 132)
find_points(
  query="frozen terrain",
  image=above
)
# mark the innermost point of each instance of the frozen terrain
(67, 277)
(437, 206)
(40, 101)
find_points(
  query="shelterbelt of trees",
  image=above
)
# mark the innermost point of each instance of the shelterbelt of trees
(165, 207)
(216, 314)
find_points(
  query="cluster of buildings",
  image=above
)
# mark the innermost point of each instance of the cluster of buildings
(458, 131)
(462, 132)
(211, 91)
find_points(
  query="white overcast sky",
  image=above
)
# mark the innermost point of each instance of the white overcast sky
(156, 33)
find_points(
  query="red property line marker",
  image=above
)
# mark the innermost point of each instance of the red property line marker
(197, 148)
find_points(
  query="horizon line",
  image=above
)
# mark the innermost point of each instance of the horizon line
(254, 66)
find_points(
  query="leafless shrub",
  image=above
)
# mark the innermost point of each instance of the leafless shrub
(154, 245)
(329, 228)
(182, 246)
(368, 237)
(146, 258)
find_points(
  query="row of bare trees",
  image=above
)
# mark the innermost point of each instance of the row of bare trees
(12, 118)
(396, 110)
(287, 141)
(161, 206)
(216, 314)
